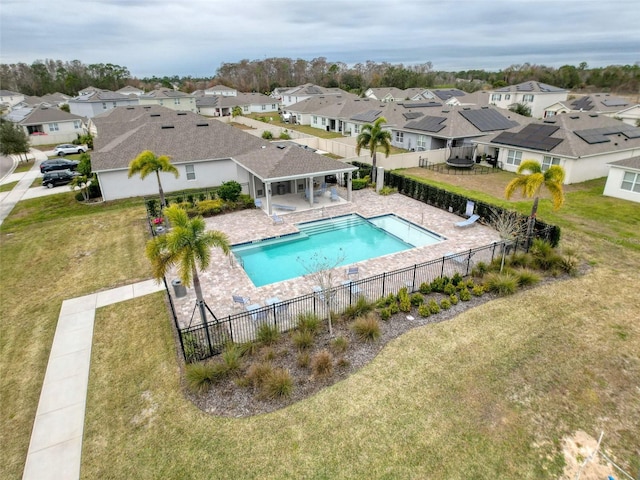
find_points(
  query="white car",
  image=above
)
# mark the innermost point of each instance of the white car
(68, 148)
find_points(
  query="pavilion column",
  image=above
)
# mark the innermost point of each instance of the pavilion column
(310, 190)
(267, 192)
(349, 190)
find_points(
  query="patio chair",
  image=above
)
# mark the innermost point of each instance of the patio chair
(320, 293)
(258, 203)
(277, 219)
(352, 271)
(239, 299)
(334, 194)
(353, 288)
(470, 207)
(468, 222)
(307, 194)
(258, 313)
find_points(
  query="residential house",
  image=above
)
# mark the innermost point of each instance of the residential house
(630, 115)
(9, 99)
(173, 99)
(95, 101)
(584, 144)
(206, 153)
(537, 96)
(601, 103)
(221, 91)
(223, 105)
(386, 94)
(450, 96)
(130, 90)
(623, 180)
(308, 90)
(49, 125)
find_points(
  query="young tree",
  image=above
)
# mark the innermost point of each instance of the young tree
(322, 269)
(510, 226)
(372, 136)
(521, 109)
(530, 180)
(236, 111)
(186, 246)
(148, 162)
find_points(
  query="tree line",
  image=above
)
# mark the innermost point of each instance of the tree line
(264, 75)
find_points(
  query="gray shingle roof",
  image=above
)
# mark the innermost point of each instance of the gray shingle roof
(42, 115)
(533, 87)
(633, 163)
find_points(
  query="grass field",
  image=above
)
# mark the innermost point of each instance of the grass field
(490, 394)
(7, 187)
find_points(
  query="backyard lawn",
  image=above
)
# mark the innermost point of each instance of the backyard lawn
(489, 394)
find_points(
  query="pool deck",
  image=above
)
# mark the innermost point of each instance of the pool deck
(225, 278)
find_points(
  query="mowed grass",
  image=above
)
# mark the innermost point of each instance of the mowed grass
(46, 256)
(489, 394)
(7, 187)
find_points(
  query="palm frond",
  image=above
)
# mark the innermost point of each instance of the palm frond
(531, 166)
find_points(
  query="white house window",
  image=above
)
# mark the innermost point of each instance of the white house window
(161, 102)
(77, 124)
(507, 96)
(527, 98)
(514, 157)
(104, 105)
(273, 106)
(548, 161)
(324, 121)
(114, 104)
(356, 128)
(176, 101)
(631, 182)
(191, 172)
(53, 127)
(315, 120)
(245, 108)
(496, 97)
(264, 107)
(422, 142)
(399, 137)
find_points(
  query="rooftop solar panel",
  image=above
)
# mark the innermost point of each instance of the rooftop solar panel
(615, 102)
(583, 103)
(412, 115)
(368, 116)
(525, 87)
(487, 120)
(533, 136)
(599, 135)
(427, 124)
(421, 104)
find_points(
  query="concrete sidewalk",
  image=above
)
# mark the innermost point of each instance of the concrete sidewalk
(56, 440)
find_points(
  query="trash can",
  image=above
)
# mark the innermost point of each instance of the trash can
(281, 189)
(178, 288)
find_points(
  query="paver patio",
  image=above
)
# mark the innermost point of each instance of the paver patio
(225, 277)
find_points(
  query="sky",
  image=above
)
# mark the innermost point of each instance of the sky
(194, 37)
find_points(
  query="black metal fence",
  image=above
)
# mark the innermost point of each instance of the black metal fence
(449, 170)
(241, 327)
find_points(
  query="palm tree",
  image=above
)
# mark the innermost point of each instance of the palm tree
(188, 247)
(148, 162)
(530, 183)
(372, 137)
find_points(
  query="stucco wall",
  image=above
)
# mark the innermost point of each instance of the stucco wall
(613, 186)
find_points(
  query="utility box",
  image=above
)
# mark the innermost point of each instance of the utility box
(178, 288)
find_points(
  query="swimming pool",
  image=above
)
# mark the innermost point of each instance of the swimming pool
(350, 237)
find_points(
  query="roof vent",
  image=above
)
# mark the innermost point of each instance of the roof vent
(466, 108)
(166, 127)
(446, 111)
(593, 115)
(147, 108)
(154, 115)
(130, 108)
(574, 117)
(549, 121)
(202, 124)
(486, 107)
(182, 113)
(281, 147)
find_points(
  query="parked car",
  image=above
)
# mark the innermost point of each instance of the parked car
(68, 148)
(58, 164)
(58, 177)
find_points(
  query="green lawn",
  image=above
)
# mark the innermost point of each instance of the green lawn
(23, 167)
(7, 187)
(489, 394)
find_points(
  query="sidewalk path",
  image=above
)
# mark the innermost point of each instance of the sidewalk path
(56, 440)
(14, 196)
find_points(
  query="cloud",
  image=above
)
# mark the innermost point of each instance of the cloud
(157, 37)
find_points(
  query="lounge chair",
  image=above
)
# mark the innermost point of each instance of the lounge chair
(258, 203)
(353, 288)
(352, 271)
(258, 313)
(244, 301)
(470, 207)
(278, 206)
(277, 219)
(468, 222)
(320, 293)
(334, 194)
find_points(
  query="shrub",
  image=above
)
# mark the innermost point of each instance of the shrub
(229, 191)
(417, 299)
(477, 290)
(424, 310)
(267, 334)
(358, 309)
(285, 136)
(456, 279)
(201, 376)
(302, 339)
(245, 201)
(449, 288)
(309, 322)
(425, 288)
(527, 277)
(231, 356)
(303, 359)
(257, 373)
(207, 208)
(267, 135)
(340, 344)
(465, 295)
(569, 262)
(385, 313)
(394, 308)
(322, 363)
(519, 260)
(359, 183)
(434, 307)
(342, 362)
(480, 270)
(453, 298)
(367, 328)
(278, 384)
(386, 301)
(501, 283)
(404, 301)
(544, 256)
(386, 190)
(438, 284)
(445, 304)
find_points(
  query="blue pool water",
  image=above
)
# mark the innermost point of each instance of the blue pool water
(351, 237)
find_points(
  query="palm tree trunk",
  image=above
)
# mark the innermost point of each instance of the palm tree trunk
(532, 221)
(374, 170)
(162, 202)
(201, 307)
